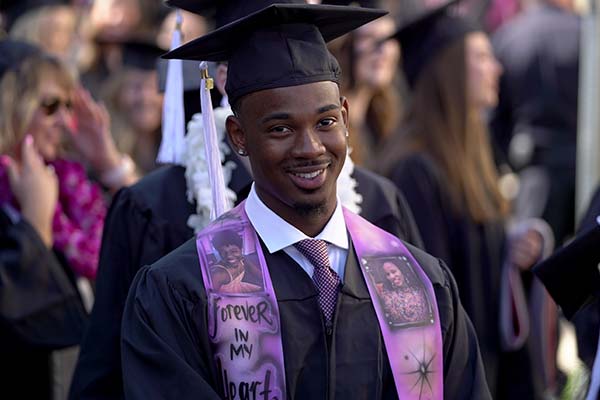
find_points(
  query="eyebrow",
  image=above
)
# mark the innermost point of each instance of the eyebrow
(328, 108)
(284, 116)
(275, 116)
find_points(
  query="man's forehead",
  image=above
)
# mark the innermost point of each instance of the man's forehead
(295, 98)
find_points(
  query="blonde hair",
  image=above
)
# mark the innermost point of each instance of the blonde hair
(441, 123)
(20, 92)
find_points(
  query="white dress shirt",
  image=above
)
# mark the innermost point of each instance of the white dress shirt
(278, 234)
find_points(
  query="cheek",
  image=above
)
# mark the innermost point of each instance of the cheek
(337, 144)
(475, 81)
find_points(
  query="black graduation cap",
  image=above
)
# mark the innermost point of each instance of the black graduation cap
(278, 46)
(226, 11)
(571, 274)
(222, 12)
(355, 3)
(424, 37)
(141, 54)
(13, 53)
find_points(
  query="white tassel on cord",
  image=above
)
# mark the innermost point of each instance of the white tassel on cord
(172, 145)
(213, 154)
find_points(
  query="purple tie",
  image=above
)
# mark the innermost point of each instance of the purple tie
(325, 278)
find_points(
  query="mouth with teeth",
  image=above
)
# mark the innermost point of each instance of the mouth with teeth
(309, 178)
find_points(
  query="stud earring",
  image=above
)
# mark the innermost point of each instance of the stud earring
(242, 152)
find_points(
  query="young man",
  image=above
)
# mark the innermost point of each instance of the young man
(300, 338)
(151, 218)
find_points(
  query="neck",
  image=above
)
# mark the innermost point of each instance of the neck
(312, 225)
(308, 219)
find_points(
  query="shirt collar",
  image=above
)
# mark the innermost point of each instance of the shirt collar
(264, 220)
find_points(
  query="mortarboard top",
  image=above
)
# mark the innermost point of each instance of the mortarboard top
(278, 46)
(222, 12)
(141, 55)
(571, 274)
(424, 37)
(13, 53)
(355, 3)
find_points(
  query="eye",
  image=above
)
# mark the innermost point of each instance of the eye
(280, 129)
(327, 122)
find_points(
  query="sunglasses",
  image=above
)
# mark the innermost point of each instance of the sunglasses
(52, 105)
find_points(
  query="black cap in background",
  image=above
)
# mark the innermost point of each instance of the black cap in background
(423, 37)
(13, 52)
(13, 9)
(355, 3)
(571, 274)
(141, 55)
(279, 46)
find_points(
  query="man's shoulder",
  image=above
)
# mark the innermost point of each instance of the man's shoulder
(166, 177)
(180, 270)
(432, 266)
(160, 195)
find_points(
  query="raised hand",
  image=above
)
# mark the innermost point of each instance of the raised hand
(35, 187)
(91, 132)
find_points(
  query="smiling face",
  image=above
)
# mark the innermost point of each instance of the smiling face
(393, 274)
(140, 100)
(483, 71)
(51, 118)
(295, 138)
(231, 255)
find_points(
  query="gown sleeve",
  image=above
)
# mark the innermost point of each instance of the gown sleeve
(39, 305)
(145, 222)
(163, 356)
(464, 375)
(128, 239)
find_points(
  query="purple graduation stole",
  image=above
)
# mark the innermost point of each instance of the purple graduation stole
(243, 316)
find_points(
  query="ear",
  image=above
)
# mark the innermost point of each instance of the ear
(236, 134)
(221, 78)
(344, 109)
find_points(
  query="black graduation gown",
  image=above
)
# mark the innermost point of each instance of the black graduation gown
(587, 319)
(40, 310)
(474, 253)
(148, 220)
(166, 352)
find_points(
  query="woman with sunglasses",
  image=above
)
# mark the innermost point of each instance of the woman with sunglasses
(40, 104)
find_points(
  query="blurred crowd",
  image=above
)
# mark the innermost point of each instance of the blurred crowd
(473, 120)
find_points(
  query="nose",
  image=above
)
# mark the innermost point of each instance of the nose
(64, 117)
(308, 144)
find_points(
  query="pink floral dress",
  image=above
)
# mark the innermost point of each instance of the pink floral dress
(406, 305)
(78, 219)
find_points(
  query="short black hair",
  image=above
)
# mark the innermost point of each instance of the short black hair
(226, 237)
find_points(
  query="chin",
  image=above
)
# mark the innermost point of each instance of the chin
(310, 208)
(49, 155)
